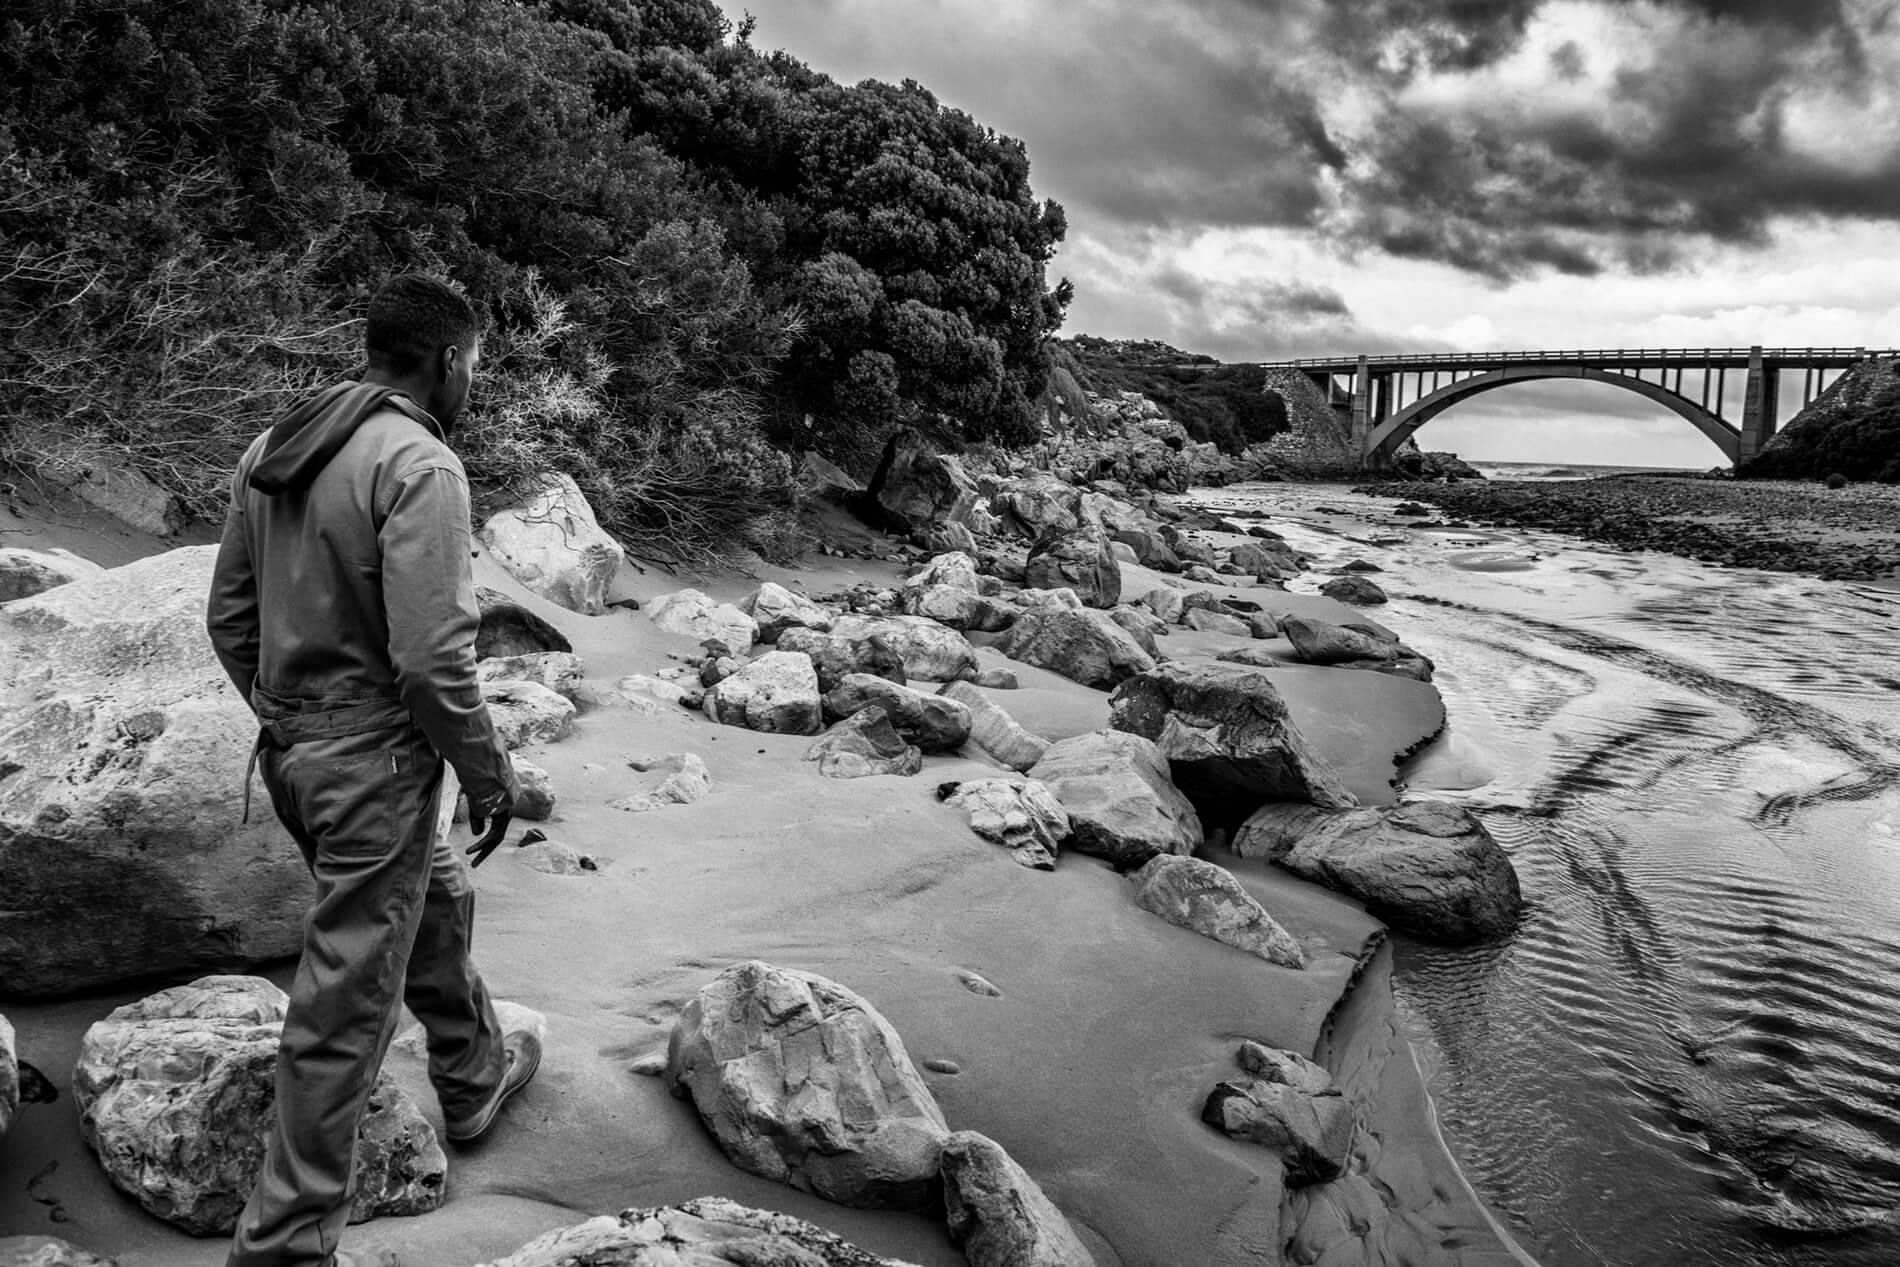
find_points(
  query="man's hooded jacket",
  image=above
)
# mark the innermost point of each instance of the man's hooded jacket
(343, 576)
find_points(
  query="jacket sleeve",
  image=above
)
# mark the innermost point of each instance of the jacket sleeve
(429, 594)
(231, 611)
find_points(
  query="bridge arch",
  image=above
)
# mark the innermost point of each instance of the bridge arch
(1386, 437)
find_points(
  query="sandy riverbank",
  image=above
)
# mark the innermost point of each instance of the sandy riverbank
(1090, 1068)
(1783, 525)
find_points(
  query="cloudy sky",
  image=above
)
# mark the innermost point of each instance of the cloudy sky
(1260, 179)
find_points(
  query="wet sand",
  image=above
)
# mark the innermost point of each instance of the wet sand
(1782, 525)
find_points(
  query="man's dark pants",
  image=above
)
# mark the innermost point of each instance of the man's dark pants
(391, 924)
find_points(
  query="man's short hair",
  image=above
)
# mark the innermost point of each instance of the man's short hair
(412, 318)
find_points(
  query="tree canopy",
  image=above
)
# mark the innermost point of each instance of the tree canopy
(698, 254)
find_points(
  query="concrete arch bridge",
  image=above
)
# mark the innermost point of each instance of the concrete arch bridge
(1731, 395)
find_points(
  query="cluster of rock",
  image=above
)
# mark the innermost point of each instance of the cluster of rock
(802, 1081)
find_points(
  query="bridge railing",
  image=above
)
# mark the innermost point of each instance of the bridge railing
(1610, 356)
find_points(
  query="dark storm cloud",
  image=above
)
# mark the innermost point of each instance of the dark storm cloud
(1692, 146)
(1370, 121)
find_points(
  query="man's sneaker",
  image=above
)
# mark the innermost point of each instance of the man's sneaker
(523, 1051)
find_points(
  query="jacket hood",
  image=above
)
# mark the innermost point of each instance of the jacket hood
(302, 442)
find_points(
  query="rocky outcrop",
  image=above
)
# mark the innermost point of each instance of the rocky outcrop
(776, 693)
(9, 1078)
(684, 779)
(1354, 589)
(953, 570)
(930, 651)
(509, 629)
(706, 1232)
(1227, 739)
(1205, 898)
(1076, 560)
(1353, 646)
(47, 1251)
(774, 609)
(935, 723)
(1083, 646)
(1119, 799)
(834, 656)
(176, 1094)
(1202, 620)
(551, 543)
(1023, 817)
(24, 573)
(559, 671)
(865, 744)
(802, 1081)
(124, 748)
(957, 608)
(1167, 604)
(535, 801)
(994, 731)
(915, 487)
(527, 712)
(1427, 867)
(1289, 1105)
(1035, 505)
(999, 1214)
(1265, 560)
(692, 614)
(1151, 549)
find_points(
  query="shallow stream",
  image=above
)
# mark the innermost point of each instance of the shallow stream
(1690, 1052)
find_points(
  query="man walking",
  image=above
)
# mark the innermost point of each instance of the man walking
(344, 610)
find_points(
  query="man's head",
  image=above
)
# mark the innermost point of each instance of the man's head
(425, 337)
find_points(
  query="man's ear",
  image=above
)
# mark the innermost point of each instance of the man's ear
(446, 361)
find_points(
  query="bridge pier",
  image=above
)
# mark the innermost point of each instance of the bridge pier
(1760, 404)
(1361, 405)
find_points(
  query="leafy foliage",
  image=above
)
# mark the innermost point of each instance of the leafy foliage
(1229, 406)
(1852, 430)
(691, 248)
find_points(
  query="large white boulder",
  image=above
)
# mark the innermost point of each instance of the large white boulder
(1428, 867)
(1196, 894)
(704, 1232)
(695, 615)
(999, 1214)
(776, 693)
(1228, 739)
(124, 747)
(551, 543)
(931, 652)
(1083, 646)
(176, 1093)
(1121, 804)
(776, 609)
(802, 1081)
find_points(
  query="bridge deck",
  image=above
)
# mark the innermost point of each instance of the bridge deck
(1601, 358)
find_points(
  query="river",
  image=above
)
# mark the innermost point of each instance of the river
(1690, 1052)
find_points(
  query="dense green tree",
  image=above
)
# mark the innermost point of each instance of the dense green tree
(681, 237)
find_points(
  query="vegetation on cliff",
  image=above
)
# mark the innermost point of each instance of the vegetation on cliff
(1228, 406)
(699, 257)
(1851, 430)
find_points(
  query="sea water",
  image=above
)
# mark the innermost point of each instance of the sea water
(1689, 1053)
